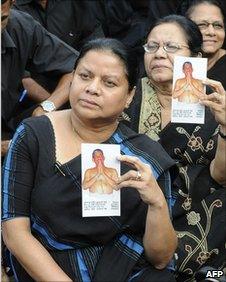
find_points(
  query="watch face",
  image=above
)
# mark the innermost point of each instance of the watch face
(48, 106)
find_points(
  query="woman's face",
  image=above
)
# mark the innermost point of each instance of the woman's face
(100, 87)
(211, 24)
(159, 65)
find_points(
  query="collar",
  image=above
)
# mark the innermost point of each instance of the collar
(7, 41)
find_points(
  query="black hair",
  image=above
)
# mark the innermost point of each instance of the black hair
(194, 3)
(187, 62)
(191, 30)
(97, 150)
(117, 48)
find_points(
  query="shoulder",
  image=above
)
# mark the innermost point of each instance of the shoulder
(112, 170)
(180, 80)
(198, 81)
(90, 171)
(22, 19)
(143, 147)
(38, 126)
(24, 29)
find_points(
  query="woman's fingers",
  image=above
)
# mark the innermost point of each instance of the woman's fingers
(130, 183)
(214, 97)
(132, 174)
(215, 85)
(134, 162)
(217, 104)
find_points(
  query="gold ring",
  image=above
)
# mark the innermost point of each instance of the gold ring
(138, 177)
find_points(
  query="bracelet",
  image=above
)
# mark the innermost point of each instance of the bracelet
(222, 135)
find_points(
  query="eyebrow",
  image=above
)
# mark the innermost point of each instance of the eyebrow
(105, 76)
(216, 21)
(111, 76)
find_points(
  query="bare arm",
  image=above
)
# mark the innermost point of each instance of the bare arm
(30, 252)
(160, 240)
(60, 95)
(4, 147)
(35, 91)
(89, 179)
(197, 88)
(217, 103)
(111, 177)
(179, 88)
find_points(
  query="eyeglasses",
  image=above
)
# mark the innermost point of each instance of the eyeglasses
(170, 47)
(215, 25)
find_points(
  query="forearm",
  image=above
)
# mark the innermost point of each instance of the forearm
(177, 93)
(89, 183)
(110, 180)
(33, 256)
(61, 94)
(160, 240)
(4, 147)
(218, 165)
(35, 91)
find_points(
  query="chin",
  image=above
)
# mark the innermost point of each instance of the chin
(210, 50)
(161, 78)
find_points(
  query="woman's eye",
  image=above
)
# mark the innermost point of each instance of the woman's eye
(110, 83)
(84, 76)
(218, 26)
(202, 25)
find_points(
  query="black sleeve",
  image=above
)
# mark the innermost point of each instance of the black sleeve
(49, 53)
(17, 177)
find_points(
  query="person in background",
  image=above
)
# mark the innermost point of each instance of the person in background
(199, 149)
(209, 17)
(74, 22)
(161, 8)
(124, 20)
(48, 238)
(185, 4)
(26, 45)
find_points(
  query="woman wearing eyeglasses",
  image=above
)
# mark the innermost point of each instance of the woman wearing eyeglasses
(209, 17)
(198, 149)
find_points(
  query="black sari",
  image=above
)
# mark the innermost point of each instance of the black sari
(87, 248)
(200, 209)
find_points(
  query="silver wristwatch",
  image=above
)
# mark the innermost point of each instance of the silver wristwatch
(48, 106)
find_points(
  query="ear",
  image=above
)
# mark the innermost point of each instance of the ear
(199, 55)
(130, 97)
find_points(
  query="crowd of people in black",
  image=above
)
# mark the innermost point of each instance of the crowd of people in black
(78, 72)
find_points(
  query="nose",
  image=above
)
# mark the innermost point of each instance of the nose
(93, 87)
(160, 53)
(210, 30)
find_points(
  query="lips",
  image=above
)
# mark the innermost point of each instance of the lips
(88, 102)
(158, 67)
(209, 41)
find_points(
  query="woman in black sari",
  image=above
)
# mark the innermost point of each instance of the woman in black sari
(43, 227)
(198, 149)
